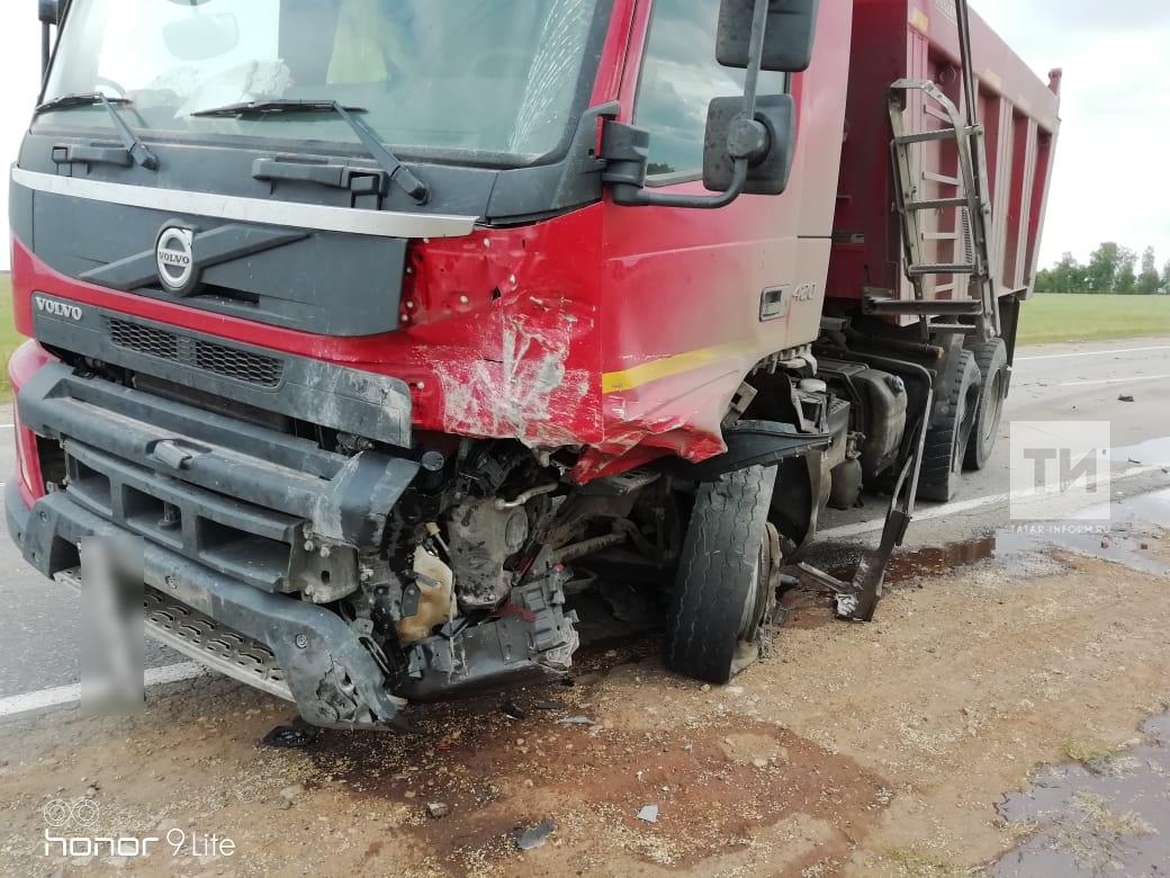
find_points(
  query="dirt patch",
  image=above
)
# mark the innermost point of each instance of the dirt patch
(856, 749)
(713, 786)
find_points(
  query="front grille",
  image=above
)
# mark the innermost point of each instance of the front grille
(207, 356)
(242, 365)
(145, 340)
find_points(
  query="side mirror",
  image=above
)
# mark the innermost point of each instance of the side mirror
(770, 158)
(750, 140)
(788, 41)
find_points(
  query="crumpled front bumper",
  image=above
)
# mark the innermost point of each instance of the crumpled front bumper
(333, 679)
(236, 522)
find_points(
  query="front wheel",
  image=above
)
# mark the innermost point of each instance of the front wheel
(724, 590)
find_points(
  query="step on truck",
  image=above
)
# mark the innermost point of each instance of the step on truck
(388, 328)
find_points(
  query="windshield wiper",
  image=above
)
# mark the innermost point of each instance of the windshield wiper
(398, 172)
(137, 150)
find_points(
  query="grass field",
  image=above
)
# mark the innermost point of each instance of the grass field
(1046, 319)
(9, 340)
(1051, 318)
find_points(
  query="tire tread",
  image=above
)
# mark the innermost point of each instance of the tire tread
(718, 558)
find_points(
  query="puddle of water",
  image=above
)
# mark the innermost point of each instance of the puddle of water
(1022, 552)
(1153, 507)
(1118, 534)
(1112, 817)
(1117, 544)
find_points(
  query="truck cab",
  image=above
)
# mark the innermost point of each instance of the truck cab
(388, 327)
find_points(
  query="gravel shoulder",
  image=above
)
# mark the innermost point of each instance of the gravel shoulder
(879, 749)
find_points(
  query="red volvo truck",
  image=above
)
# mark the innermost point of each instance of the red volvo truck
(389, 326)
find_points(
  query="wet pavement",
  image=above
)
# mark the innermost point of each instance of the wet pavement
(1108, 815)
(1026, 549)
(1152, 452)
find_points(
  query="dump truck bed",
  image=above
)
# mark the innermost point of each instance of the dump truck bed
(918, 39)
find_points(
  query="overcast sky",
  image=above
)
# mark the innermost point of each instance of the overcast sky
(1112, 172)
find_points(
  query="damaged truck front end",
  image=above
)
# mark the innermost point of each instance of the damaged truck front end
(388, 333)
(334, 394)
(326, 576)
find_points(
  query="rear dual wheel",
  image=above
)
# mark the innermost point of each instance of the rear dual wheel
(945, 451)
(724, 592)
(991, 357)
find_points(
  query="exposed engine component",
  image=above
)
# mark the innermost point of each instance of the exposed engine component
(428, 601)
(482, 538)
(533, 638)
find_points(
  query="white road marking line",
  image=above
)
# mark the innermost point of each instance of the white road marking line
(7, 426)
(1131, 380)
(59, 695)
(866, 527)
(1092, 354)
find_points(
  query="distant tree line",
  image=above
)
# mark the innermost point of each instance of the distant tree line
(1111, 269)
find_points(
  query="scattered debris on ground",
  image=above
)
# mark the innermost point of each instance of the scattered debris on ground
(875, 750)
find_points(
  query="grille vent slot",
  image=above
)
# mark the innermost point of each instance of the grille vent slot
(196, 353)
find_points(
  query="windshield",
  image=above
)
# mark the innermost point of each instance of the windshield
(492, 76)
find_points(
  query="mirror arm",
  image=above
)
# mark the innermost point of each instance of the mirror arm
(46, 48)
(751, 82)
(642, 198)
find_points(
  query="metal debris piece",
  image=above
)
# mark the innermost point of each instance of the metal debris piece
(514, 710)
(438, 809)
(549, 705)
(649, 814)
(535, 837)
(1125, 397)
(297, 734)
(576, 721)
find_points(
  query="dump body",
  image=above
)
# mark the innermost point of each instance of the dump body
(917, 39)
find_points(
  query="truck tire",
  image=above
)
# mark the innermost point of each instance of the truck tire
(991, 358)
(723, 591)
(945, 451)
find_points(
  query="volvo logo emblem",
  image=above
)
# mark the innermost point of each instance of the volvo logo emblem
(175, 253)
(57, 309)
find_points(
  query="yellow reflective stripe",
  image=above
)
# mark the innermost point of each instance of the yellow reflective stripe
(666, 367)
(920, 21)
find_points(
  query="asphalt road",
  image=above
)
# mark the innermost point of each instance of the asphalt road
(39, 630)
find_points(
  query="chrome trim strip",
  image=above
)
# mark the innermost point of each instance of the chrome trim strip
(383, 224)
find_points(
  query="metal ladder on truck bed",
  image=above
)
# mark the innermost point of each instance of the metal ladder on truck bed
(975, 309)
